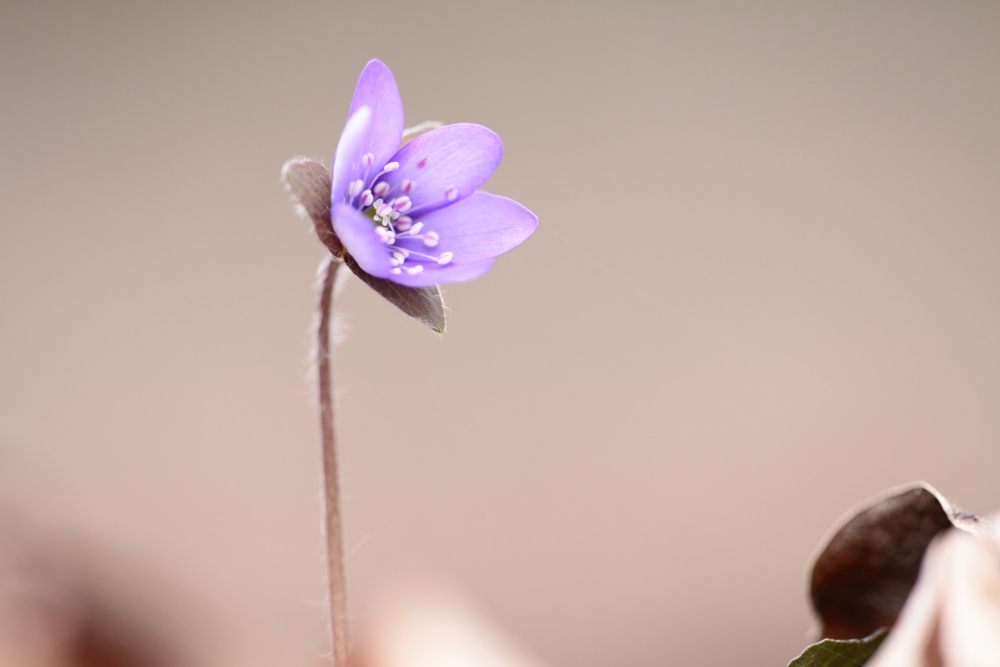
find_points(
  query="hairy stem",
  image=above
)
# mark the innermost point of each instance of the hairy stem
(331, 486)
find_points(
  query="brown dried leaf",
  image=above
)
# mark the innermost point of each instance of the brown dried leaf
(310, 183)
(424, 303)
(862, 578)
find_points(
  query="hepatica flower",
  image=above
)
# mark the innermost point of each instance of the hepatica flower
(405, 216)
(414, 214)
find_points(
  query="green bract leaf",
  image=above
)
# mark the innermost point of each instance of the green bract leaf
(840, 652)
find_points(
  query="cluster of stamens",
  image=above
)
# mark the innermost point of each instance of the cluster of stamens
(392, 222)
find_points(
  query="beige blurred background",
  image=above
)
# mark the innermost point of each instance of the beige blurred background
(765, 286)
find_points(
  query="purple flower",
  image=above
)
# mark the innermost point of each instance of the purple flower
(415, 215)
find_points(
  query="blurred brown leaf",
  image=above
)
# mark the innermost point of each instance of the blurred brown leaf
(862, 578)
(52, 617)
(69, 599)
(952, 619)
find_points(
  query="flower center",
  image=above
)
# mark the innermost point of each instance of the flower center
(404, 238)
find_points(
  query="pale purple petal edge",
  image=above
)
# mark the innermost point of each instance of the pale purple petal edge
(454, 273)
(378, 91)
(481, 226)
(348, 155)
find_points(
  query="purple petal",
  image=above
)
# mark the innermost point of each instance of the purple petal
(346, 162)
(377, 90)
(480, 227)
(453, 273)
(444, 166)
(357, 233)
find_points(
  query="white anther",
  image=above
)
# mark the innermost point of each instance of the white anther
(407, 186)
(392, 166)
(403, 223)
(431, 239)
(445, 258)
(402, 251)
(417, 226)
(381, 189)
(402, 204)
(399, 257)
(354, 189)
(394, 262)
(451, 194)
(367, 198)
(367, 159)
(383, 210)
(415, 270)
(396, 271)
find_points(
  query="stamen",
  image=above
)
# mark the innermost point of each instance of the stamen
(396, 271)
(451, 194)
(415, 270)
(392, 166)
(404, 223)
(415, 229)
(407, 186)
(402, 204)
(367, 159)
(445, 258)
(416, 253)
(381, 189)
(383, 210)
(431, 239)
(354, 189)
(367, 198)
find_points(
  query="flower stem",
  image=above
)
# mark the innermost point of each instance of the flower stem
(331, 486)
